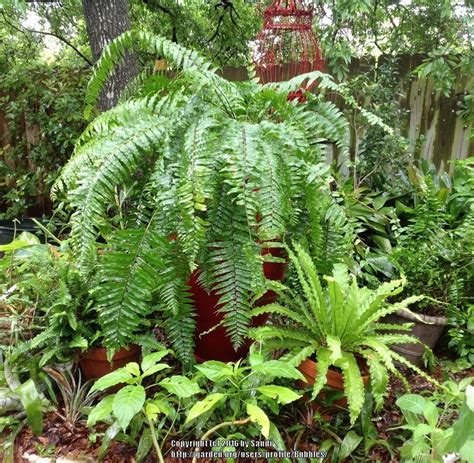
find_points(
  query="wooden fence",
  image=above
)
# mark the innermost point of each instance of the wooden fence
(433, 124)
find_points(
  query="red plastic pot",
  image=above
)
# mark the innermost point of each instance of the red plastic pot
(94, 363)
(216, 345)
(334, 381)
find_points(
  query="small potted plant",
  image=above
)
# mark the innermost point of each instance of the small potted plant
(333, 331)
(49, 309)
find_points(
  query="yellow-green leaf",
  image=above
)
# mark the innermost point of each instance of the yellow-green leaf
(259, 417)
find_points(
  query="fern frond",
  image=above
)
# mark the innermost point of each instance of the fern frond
(242, 155)
(126, 282)
(274, 207)
(311, 286)
(378, 377)
(194, 190)
(280, 310)
(324, 81)
(33, 344)
(323, 357)
(392, 326)
(121, 154)
(88, 149)
(323, 122)
(375, 312)
(234, 268)
(332, 235)
(283, 333)
(295, 360)
(115, 52)
(180, 328)
(353, 384)
(420, 372)
(398, 339)
(273, 344)
(382, 351)
(171, 285)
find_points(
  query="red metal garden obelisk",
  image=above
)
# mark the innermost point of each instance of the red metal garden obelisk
(286, 46)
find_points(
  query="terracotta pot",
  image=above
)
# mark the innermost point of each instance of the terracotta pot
(334, 379)
(428, 333)
(94, 363)
(216, 345)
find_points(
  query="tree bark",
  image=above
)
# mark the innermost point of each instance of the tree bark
(106, 20)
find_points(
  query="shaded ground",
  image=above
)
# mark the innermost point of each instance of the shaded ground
(60, 440)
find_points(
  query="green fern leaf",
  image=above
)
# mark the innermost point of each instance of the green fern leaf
(353, 384)
(378, 378)
(323, 357)
(126, 282)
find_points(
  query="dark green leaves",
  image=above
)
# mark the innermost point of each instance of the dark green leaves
(128, 276)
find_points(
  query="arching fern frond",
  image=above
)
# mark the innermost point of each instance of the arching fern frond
(88, 149)
(332, 235)
(194, 189)
(323, 122)
(115, 52)
(121, 155)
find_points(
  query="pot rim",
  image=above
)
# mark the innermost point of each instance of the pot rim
(429, 319)
(92, 353)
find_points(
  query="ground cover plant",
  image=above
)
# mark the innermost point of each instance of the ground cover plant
(222, 273)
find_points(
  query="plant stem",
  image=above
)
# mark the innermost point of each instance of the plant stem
(216, 428)
(46, 231)
(155, 441)
(333, 435)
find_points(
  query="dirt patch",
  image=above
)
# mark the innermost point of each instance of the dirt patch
(60, 439)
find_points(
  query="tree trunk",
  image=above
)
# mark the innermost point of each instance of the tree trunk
(106, 20)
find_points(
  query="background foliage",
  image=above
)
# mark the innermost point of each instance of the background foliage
(42, 105)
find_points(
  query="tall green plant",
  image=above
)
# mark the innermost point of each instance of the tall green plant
(434, 237)
(336, 323)
(222, 169)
